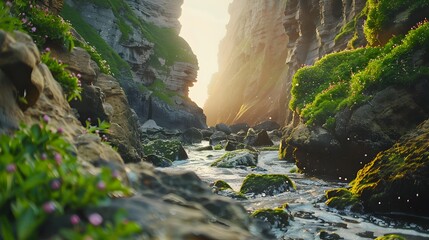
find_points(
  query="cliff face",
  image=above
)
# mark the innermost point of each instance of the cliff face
(158, 62)
(266, 42)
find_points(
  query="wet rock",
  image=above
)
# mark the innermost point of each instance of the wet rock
(150, 126)
(267, 126)
(206, 133)
(366, 234)
(191, 135)
(391, 237)
(275, 135)
(342, 198)
(171, 150)
(257, 139)
(223, 128)
(329, 236)
(237, 158)
(269, 184)
(233, 145)
(222, 188)
(159, 161)
(235, 128)
(277, 218)
(217, 137)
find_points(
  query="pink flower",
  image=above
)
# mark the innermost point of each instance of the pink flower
(24, 20)
(33, 29)
(60, 131)
(101, 185)
(44, 156)
(78, 75)
(11, 168)
(49, 207)
(46, 118)
(58, 158)
(9, 4)
(47, 49)
(74, 219)
(55, 184)
(95, 219)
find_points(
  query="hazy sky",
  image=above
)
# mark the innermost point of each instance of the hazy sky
(203, 26)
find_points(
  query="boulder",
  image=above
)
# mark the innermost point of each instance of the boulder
(276, 218)
(206, 133)
(237, 158)
(223, 128)
(191, 135)
(205, 148)
(257, 139)
(158, 161)
(233, 145)
(235, 128)
(217, 137)
(268, 184)
(222, 188)
(150, 126)
(170, 149)
(267, 126)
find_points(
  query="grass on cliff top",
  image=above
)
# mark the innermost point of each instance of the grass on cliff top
(117, 65)
(382, 13)
(349, 78)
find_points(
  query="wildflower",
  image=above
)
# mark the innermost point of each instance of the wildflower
(101, 185)
(24, 20)
(78, 75)
(10, 168)
(58, 158)
(33, 29)
(55, 184)
(95, 219)
(44, 156)
(47, 49)
(115, 174)
(49, 207)
(46, 118)
(74, 219)
(9, 3)
(60, 131)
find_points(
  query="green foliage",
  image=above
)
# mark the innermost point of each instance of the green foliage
(107, 59)
(218, 147)
(41, 24)
(349, 78)
(391, 237)
(159, 90)
(382, 13)
(41, 179)
(68, 81)
(341, 199)
(7, 22)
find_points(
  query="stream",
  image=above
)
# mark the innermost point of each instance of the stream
(306, 204)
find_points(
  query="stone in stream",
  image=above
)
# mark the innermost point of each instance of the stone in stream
(268, 184)
(276, 218)
(257, 138)
(205, 148)
(222, 188)
(235, 128)
(159, 161)
(391, 237)
(237, 158)
(234, 145)
(223, 128)
(217, 137)
(329, 236)
(191, 135)
(171, 150)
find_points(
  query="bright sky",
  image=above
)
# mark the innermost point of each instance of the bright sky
(203, 27)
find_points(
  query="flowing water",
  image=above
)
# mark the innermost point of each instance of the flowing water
(306, 204)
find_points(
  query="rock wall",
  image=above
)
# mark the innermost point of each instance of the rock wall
(266, 42)
(145, 34)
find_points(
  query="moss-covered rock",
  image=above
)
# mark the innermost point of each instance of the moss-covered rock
(237, 158)
(269, 184)
(159, 161)
(342, 198)
(391, 237)
(223, 188)
(172, 150)
(277, 217)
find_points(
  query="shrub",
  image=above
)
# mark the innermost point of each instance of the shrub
(7, 21)
(41, 179)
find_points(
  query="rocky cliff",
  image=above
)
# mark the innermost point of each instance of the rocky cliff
(266, 42)
(156, 67)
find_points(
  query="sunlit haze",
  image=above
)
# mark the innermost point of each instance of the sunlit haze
(203, 27)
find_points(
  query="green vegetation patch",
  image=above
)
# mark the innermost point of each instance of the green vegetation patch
(159, 90)
(171, 150)
(383, 13)
(269, 184)
(41, 180)
(349, 78)
(342, 198)
(277, 217)
(391, 237)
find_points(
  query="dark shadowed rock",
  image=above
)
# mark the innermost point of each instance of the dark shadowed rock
(257, 139)
(217, 137)
(170, 149)
(158, 161)
(235, 128)
(223, 128)
(191, 135)
(267, 126)
(234, 145)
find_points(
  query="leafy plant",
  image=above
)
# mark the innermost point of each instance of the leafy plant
(41, 179)
(101, 129)
(41, 24)
(68, 81)
(7, 21)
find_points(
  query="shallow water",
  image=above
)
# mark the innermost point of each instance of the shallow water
(306, 203)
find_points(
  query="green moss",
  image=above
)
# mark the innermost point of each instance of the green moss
(272, 148)
(241, 157)
(277, 217)
(391, 237)
(349, 78)
(222, 185)
(383, 13)
(269, 184)
(117, 65)
(218, 147)
(171, 150)
(342, 198)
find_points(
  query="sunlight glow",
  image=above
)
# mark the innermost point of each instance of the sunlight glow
(203, 27)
